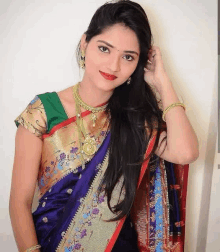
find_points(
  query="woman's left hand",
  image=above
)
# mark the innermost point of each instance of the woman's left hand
(154, 70)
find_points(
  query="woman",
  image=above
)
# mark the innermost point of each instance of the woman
(112, 175)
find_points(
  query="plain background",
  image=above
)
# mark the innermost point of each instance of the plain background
(38, 42)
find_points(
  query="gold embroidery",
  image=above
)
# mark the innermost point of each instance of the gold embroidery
(60, 153)
(88, 227)
(33, 118)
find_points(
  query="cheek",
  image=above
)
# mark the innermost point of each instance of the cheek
(134, 66)
(94, 60)
(129, 69)
(92, 65)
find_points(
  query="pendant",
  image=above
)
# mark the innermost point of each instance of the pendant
(83, 166)
(94, 117)
(89, 146)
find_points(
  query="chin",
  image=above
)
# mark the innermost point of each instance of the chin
(106, 85)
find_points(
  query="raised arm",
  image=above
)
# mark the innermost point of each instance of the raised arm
(181, 146)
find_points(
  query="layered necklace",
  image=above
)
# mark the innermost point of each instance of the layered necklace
(89, 145)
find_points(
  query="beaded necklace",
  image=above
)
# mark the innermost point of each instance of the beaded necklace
(89, 145)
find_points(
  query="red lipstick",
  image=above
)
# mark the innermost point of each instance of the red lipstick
(108, 76)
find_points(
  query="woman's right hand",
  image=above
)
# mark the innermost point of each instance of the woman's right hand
(27, 158)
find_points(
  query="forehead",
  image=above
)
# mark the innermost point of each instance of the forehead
(120, 36)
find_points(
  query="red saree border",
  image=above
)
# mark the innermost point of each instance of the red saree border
(143, 170)
(64, 123)
(144, 167)
(115, 235)
(183, 202)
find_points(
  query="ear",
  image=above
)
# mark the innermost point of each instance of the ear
(83, 43)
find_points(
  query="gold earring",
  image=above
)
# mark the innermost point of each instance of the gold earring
(129, 81)
(82, 59)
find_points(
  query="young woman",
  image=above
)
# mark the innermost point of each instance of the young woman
(110, 163)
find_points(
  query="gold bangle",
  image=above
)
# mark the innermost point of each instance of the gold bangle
(33, 248)
(172, 106)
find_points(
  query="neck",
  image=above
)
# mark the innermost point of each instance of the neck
(91, 94)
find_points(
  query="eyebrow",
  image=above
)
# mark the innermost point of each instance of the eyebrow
(114, 47)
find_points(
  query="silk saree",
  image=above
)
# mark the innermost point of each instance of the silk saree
(71, 216)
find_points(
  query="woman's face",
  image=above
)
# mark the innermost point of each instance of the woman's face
(111, 58)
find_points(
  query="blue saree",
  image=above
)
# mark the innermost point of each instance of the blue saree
(71, 216)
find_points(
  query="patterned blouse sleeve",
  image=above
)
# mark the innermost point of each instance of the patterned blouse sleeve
(33, 118)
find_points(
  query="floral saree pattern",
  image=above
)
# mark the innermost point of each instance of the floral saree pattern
(70, 215)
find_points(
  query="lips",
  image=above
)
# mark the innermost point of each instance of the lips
(108, 76)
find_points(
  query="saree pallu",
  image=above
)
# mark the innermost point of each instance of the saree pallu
(71, 215)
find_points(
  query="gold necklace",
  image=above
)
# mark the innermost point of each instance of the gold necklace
(86, 106)
(89, 146)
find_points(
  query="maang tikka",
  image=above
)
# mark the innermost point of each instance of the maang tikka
(82, 59)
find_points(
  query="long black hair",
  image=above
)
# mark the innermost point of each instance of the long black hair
(134, 109)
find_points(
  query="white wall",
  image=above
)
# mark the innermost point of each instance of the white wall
(38, 41)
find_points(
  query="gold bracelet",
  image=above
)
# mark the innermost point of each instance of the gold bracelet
(33, 248)
(172, 106)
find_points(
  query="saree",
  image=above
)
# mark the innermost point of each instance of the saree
(71, 215)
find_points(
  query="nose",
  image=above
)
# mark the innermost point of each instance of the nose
(114, 64)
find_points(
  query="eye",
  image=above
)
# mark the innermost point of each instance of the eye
(132, 58)
(102, 47)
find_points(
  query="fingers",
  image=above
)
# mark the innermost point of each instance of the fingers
(154, 51)
(155, 48)
(151, 56)
(149, 66)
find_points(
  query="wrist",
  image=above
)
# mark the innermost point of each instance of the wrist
(168, 94)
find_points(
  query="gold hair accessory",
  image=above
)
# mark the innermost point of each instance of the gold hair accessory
(172, 106)
(33, 248)
(82, 59)
(129, 81)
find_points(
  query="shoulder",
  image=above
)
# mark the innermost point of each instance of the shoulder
(66, 95)
(33, 117)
